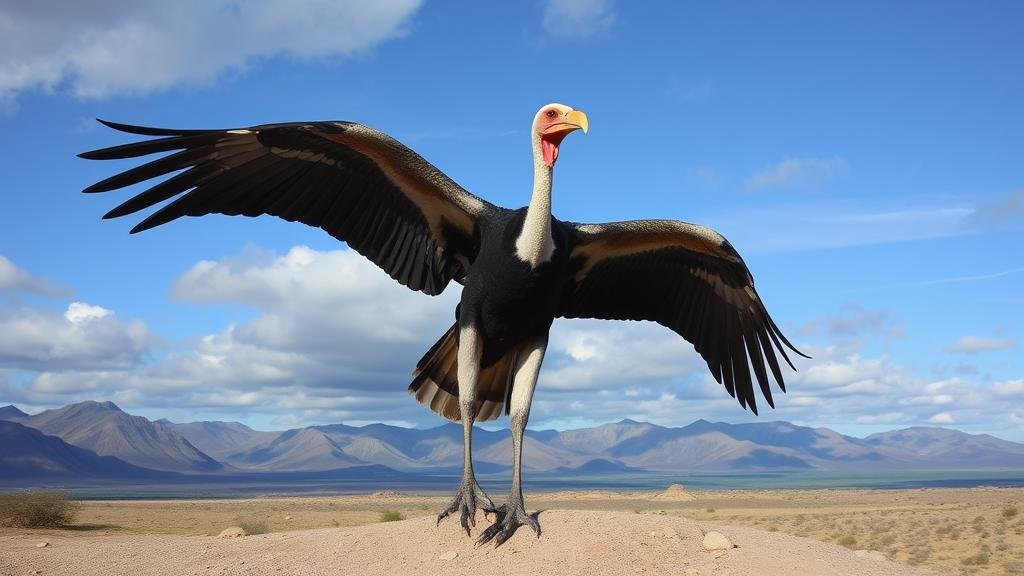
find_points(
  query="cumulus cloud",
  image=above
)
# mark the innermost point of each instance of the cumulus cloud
(95, 49)
(578, 19)
(15, 279)
(798, 172)
(1009, 388)
(84, 337)
(975, 344)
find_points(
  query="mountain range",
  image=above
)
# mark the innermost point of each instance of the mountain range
(99, 440)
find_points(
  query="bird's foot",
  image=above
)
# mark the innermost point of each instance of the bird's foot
(468, 496)
(511, 516)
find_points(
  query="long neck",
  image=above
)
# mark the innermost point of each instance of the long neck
(534, 244)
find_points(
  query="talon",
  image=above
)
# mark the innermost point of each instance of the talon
(465, 502)
(508, 520)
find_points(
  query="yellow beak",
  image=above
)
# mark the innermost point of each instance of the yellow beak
(578, 118)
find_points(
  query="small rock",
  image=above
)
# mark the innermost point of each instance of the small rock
(716, 541)
(287, 517)
(232, 532)
(42, 545)
(37, 571)
(449, 555)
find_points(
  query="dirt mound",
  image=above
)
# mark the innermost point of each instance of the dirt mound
(573, 542)
(676, 493)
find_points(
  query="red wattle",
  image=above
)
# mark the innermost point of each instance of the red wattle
(550, 150)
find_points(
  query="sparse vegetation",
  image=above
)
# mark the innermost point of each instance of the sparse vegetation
(847, 540)
(37, 509)
(1010, 511)
(253, 525)
(391, 516)
(979, 559)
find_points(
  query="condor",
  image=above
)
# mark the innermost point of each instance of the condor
(520, 269)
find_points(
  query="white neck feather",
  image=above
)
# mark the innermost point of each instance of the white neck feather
(534, 244)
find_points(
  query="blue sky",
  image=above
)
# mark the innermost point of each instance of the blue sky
(865, 159)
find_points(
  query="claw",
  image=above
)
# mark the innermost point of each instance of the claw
(508, 520)
(465, 501)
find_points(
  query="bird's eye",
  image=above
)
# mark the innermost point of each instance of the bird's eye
(551, 113)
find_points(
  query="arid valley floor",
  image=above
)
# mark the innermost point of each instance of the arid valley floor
(948, 531)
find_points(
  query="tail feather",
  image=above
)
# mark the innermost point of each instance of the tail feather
(435, 383)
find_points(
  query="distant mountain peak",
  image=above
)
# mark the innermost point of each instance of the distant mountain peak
(94, 405)
(11, 411)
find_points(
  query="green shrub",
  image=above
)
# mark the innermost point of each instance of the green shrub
(391, 516)
(37, 509)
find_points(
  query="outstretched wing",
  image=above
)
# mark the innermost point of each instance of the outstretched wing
(359, 185)
(687, 278)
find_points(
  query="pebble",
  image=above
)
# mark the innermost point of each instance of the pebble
(287, 517)
(716, 541)
(42, 545)
(449, 555)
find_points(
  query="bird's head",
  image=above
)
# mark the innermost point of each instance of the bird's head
(553, 123)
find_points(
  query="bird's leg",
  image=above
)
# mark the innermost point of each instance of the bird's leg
(512, 514)
(469, 493)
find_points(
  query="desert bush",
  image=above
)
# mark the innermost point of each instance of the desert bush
(979, 559)
(37, 509)
(391, 516)
(1014, 567)
(252, 525)
(1010, 511)
(847, 540)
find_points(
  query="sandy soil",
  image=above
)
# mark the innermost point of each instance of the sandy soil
(573, 542)
(977, 532)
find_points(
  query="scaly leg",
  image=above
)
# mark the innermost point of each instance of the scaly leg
(469, 493)
(512, 514)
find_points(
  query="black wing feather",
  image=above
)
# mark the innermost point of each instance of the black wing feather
(357, 184)
(689, 279)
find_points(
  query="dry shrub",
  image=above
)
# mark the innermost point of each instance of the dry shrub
(1010, 511)
(979, 559)
(252, 525)
(37, 509)
(848, 540)
(391, 516)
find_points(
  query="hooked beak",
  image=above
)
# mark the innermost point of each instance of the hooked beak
(574, 120)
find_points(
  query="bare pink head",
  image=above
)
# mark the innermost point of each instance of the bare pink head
(553, 123)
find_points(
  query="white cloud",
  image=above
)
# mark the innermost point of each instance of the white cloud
(578, 19)
(83, 338)
(975, 344)
(942, 418)
(79, 312)
(96, 49)
(798, 172)
(15, 279)
(1009, 388)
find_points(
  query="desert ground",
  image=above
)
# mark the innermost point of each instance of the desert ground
(941, 531)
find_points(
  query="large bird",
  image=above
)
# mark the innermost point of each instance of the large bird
(520, 269)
